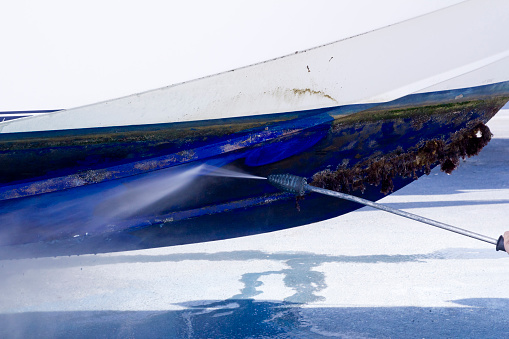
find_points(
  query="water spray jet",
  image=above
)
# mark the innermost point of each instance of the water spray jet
(223, 172)
(299, 186)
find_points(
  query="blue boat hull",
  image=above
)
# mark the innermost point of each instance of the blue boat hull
(135, 187)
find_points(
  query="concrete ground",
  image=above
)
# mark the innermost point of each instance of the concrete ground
(367, 274)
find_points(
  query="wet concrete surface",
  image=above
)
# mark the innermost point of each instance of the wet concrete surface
(366, 274)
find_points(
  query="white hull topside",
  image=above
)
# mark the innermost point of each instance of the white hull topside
(461, 46)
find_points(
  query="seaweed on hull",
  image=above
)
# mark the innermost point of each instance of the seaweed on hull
(377, 171)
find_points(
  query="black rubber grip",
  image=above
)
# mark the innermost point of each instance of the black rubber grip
(500, 244)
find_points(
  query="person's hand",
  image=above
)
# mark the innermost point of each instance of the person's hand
(506, 241)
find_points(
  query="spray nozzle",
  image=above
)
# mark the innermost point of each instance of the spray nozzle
(289, 183)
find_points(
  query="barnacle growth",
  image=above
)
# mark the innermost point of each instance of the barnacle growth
(464, 143)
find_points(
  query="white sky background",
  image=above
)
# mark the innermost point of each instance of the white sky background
(63, 54)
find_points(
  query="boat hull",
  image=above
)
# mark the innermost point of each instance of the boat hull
(365, 115)
(147, 186)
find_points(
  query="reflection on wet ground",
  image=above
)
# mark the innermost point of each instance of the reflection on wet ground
(246, 318)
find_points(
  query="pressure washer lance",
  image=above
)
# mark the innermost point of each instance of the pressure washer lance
(299, 186)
